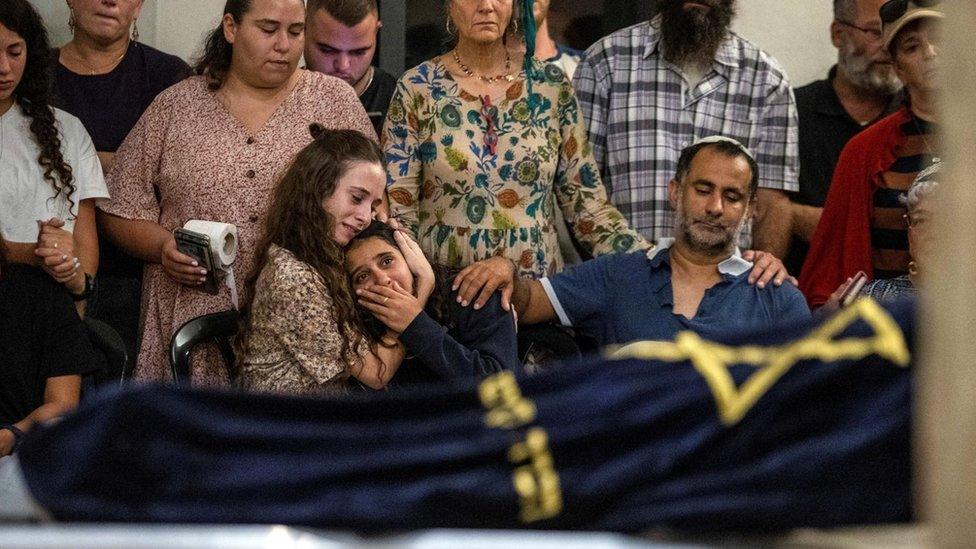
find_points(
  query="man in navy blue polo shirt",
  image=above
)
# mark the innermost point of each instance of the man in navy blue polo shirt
(695, 281)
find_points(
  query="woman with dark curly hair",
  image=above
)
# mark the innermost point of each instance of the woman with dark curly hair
(49, 173)
(298, 320)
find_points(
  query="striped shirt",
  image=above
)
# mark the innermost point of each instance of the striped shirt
(641, 112)
(889, 234)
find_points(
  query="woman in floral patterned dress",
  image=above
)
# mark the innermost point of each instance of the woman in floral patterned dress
(479, 154)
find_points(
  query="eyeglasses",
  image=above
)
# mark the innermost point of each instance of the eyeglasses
(874, 33)
(892, 10)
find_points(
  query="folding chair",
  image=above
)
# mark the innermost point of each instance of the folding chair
(217, 328)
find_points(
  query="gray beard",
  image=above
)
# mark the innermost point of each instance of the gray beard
(858, 72)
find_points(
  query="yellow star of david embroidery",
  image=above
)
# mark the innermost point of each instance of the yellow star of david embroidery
(712, 360)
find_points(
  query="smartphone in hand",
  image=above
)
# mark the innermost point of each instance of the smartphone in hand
(197, 246)
(853, 289)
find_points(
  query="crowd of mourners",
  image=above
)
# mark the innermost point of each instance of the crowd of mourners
(507, 202)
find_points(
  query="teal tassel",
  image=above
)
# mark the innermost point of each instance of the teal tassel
(528, 23)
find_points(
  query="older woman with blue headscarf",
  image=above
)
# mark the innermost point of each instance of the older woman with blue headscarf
(484, 142)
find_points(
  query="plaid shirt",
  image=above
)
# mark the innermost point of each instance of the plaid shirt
(640, 114)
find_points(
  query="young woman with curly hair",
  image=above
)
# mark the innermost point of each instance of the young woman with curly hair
(299, 331)
(49, 172)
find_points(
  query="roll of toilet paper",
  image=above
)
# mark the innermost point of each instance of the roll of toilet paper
(223, 247)
(223, 239)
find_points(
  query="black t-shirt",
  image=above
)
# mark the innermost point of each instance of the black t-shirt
(825, 128)
(41, 336)
(376, 98)
(109, 105)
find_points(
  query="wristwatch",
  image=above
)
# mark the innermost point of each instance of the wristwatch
(87, 292)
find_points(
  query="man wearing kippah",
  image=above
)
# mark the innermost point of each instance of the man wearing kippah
(862, 228)
(650, 90)
(695, 281)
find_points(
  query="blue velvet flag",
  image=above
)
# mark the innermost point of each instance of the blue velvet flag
(805, 426)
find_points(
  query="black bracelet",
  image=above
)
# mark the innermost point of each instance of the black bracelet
(18, 434)
(87, 292)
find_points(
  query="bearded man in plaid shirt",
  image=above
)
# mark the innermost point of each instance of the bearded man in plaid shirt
(650, 90)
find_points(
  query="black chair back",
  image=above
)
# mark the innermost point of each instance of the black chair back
(108, 343)
(218, 328)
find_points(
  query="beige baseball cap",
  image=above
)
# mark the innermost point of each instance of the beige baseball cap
(895, 14)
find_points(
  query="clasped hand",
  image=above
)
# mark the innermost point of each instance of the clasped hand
(56, 250)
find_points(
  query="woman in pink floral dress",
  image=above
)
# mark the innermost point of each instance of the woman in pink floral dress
(211, 148)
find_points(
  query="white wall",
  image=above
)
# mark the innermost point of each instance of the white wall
(182, 25)
(793, 31)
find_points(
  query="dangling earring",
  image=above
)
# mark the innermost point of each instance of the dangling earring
(135, 30)
(912, 268)
(71, 22)
(515, 25)
(447, 26)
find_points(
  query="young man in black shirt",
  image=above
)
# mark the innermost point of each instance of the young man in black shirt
(340, 40)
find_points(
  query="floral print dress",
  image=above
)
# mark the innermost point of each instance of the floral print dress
(466, 197)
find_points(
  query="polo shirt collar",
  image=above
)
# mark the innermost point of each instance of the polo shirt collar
(727, 53)
(734, 265)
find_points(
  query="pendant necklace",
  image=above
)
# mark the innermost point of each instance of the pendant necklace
(98, 70)
(928, 146)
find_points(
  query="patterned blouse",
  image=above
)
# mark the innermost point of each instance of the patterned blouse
(890, 289)
(295, 345)
(188, 158)
(466, 201)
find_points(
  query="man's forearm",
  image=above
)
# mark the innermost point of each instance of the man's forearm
(805, 220)
(520, 295)
(773, 222)
(531, 302)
